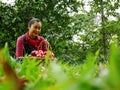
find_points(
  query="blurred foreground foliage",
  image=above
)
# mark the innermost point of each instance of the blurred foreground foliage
(58, 76)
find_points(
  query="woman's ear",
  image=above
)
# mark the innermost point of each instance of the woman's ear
(28, 27)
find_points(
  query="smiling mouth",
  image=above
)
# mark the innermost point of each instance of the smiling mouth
(36, 33)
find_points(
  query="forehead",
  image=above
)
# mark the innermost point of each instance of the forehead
(36, 24)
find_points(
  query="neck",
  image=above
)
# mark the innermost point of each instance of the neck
(32, 37)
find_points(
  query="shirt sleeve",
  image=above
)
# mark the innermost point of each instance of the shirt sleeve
(45, 47)
(42, 44)
(19, 47)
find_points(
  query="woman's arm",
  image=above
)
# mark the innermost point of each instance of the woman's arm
(45, 46)
(19, 47)
(42, 44)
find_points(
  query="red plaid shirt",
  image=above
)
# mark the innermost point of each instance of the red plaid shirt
(34, 43)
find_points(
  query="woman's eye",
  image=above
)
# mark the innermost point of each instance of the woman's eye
(37, 27)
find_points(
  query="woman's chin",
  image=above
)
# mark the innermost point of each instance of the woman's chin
(35, 35)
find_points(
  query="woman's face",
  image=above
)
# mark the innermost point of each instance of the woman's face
(34, 29)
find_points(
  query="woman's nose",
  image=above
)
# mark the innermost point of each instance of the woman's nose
(38, 30)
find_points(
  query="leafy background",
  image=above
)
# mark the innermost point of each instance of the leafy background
(93, 28)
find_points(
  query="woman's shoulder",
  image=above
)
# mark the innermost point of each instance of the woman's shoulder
(41, 38)
(20, 38)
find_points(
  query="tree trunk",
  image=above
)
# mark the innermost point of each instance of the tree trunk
(104, 31)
